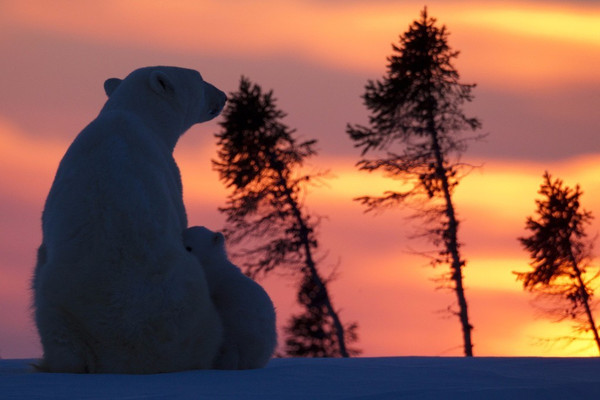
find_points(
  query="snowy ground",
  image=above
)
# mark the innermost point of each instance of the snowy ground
(359, 378)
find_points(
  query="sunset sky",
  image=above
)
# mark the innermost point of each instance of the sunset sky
(536, 66)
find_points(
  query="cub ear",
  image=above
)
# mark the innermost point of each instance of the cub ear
(110, 85)
(218, 238)
(160, 82)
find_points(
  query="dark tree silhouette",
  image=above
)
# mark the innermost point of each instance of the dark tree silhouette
(310, 332)
(416, 116)
(560, 254)
(259, 160)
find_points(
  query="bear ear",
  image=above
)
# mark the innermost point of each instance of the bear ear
(110, 85)
(160, 82)
(218, 238)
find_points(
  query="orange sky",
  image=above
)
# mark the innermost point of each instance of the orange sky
(535, 66)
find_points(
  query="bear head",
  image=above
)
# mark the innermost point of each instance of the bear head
(206, 245)
(170, 99)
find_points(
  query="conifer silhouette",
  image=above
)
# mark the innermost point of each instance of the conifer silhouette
(259, 160)
(415, 120)
(560, 255)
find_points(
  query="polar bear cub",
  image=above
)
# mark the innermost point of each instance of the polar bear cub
(245, 308)
(114, 289)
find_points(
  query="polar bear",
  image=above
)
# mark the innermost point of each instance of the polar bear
(244, 307)
(114, 289)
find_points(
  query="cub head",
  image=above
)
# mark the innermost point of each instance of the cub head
(206, 245)
(176, 98)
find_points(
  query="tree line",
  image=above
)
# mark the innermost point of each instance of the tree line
(415, 135)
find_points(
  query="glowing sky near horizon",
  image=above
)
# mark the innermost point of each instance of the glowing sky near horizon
(538, 95)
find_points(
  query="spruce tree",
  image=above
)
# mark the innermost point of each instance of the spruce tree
(560, 255)
(415, 123)
(260, 160)
(311, 333)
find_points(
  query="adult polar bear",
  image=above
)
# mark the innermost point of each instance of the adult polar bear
(114, 288)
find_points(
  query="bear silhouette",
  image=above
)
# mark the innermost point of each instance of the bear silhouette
(114, 289)
(247, 313)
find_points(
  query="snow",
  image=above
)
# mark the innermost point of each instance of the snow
(357, 378)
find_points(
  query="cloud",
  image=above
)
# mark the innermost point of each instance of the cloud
(27, 164)
(560, 24)
(352, 36)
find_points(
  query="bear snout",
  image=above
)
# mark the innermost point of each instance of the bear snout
(217, 99)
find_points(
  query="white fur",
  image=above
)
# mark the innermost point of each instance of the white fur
(114, 288)
(244, 307)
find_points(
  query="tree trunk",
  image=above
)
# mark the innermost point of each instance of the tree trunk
(339, 328)
(451, 241)
(585, 297)
(310, 264)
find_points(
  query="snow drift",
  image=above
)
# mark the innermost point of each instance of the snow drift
(357, 378)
